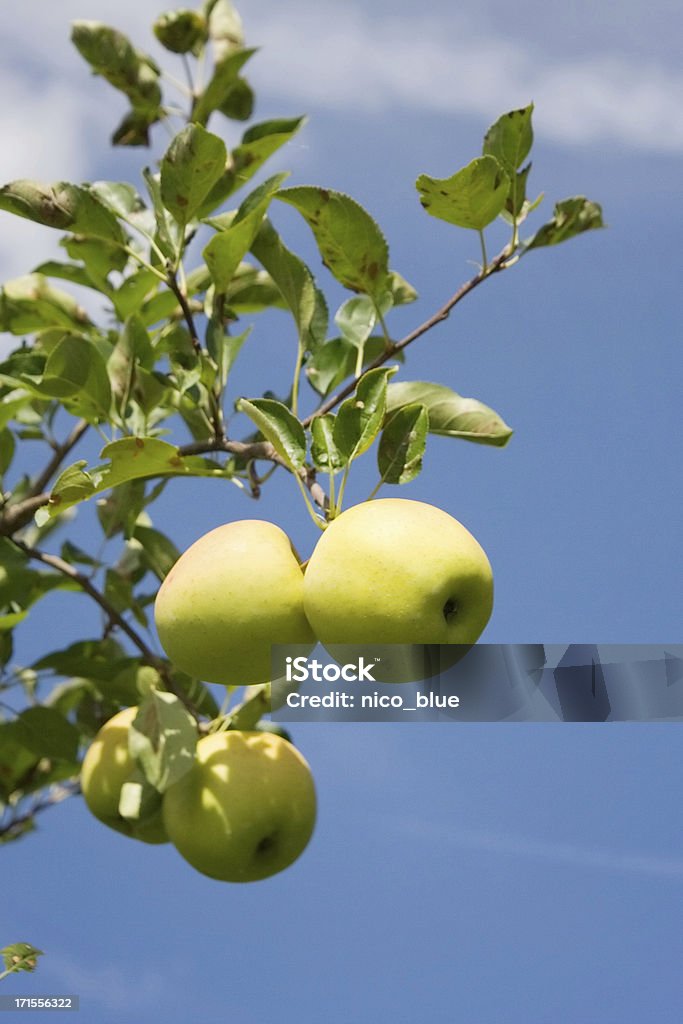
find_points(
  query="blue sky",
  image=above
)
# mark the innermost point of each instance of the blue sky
(484, 873)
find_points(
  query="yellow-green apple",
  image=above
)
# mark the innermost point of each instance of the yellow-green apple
(399, 572)
(232, 594)
(106, 766)
(245, 810)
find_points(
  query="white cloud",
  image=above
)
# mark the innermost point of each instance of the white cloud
(386, 61)
(320, 59)
(550, 851)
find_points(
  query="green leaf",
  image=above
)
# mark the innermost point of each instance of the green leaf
(401, 291)
(76, 373)
(471, 198)
(192, 165)
(252, 291)
(7, 448)
(222, 82)
(402, 444)
(20, 956)
(63, 206)
(118, 196)
(99, 660)
(196, 691)
(295, 281)
(9, 621)
(517, 205)
(168, 234)
(324, 452)
(133, 130)
(17, 762)
(225, 26)
(131, 458)
(163, 739)
(226, 249)
(248, 714)
(223, 348)
(239, 101)
(111, 55)
(451, 415)
(98, 257)
(158, 551)
(359, 418)
(11, 406)
(30, 303)
(329, 365)
(571, 217)
(510, 138)
(350, 243)
(279, 426)
(181, 31)
(164, 305)
(334, 361)
(47, 733)
(258, 143)
(139, 801)
(77, 556)
(356, 319)
(72, 272)
(128, 298)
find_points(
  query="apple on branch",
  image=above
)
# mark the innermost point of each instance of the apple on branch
(228, 598)
(402, 579)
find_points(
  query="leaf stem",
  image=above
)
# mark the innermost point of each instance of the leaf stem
(337, 507)
(143, 263)
(484, 259)
(297, 374)
(375, 489)
(307, 502)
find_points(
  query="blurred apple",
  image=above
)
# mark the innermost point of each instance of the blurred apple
(106, 766)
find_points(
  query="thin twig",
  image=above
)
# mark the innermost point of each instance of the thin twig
(58, 793)
(257, 450)
(497, 264)
(60, 453)
(185, 306)
(17, 516)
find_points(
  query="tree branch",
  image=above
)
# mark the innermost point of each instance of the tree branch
(18, 515)
(14, 517)
(60, 452)
(15, 826)
(150, 658)
(185, 306)
(257, 450)
(499, 263)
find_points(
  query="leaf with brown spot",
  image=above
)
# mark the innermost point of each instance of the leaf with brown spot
(350, 242)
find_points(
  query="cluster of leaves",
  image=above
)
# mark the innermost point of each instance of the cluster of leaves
(20, 956)
(159, 363)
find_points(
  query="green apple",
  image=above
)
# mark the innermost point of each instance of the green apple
(232, 594)
(106, 766)
(245, 810)
(399, 572)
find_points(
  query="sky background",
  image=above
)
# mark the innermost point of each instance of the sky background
(486, 873)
